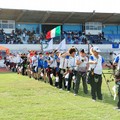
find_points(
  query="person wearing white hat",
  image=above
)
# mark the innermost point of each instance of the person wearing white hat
(96, 49)
(96, 62)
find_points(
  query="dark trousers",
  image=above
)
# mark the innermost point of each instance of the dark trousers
(50, 71)
(61, 79)
(56, 84)
(69, 81)
(23, 71)
(118, 97)
(96, 83)
(80, 75)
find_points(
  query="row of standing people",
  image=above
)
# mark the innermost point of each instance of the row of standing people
(66, 66)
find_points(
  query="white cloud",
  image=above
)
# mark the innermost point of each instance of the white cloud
(111, 6)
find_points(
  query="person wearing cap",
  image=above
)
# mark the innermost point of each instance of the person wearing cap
(96, 62)
(40, 66)
(57, 58)
(47, 53)
(45, 66)
(52, 67)
(24, 64)
(116, 62)
(81, 71)
(35, 65)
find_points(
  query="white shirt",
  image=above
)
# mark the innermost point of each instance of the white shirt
(7, 58)
(72, 62)
(14, 59)
(18, 59)
(97, 67)
(53, 63)
(11, 58)
(83, 66)
(63, 63)
(34, 60)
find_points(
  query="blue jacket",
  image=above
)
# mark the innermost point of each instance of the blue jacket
(40, 63)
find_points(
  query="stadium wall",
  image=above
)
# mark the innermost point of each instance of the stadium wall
(37, 47)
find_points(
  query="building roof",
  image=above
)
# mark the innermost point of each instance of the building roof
(56, 17)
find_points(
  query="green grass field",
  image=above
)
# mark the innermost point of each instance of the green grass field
(22, 98)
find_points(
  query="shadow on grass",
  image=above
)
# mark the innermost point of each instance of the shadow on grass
(107, 99)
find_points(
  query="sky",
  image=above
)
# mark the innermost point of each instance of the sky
(106, 6)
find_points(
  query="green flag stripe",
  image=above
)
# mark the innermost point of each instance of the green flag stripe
(58, 31)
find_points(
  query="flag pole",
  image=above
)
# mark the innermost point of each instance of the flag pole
(60, 34)
(41, 43)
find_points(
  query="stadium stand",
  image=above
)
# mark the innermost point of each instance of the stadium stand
(30, 27)
(25, 36)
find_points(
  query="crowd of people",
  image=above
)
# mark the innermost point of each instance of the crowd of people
(64, 69)
(20, 36)
(24, 36)
(78, 37)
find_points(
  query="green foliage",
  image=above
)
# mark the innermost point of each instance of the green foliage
(22, 98)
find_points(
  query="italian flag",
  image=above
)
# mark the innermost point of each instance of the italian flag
(53, 33)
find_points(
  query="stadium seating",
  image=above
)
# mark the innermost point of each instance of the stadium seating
(1, 39)
(24, 36)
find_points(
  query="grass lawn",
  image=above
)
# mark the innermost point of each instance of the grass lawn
(22, 98)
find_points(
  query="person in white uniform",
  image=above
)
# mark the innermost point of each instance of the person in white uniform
(116, 62)
(71, 66)
(81, 71)
(96, 62)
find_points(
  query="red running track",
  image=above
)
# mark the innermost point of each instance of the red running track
(3, 70)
